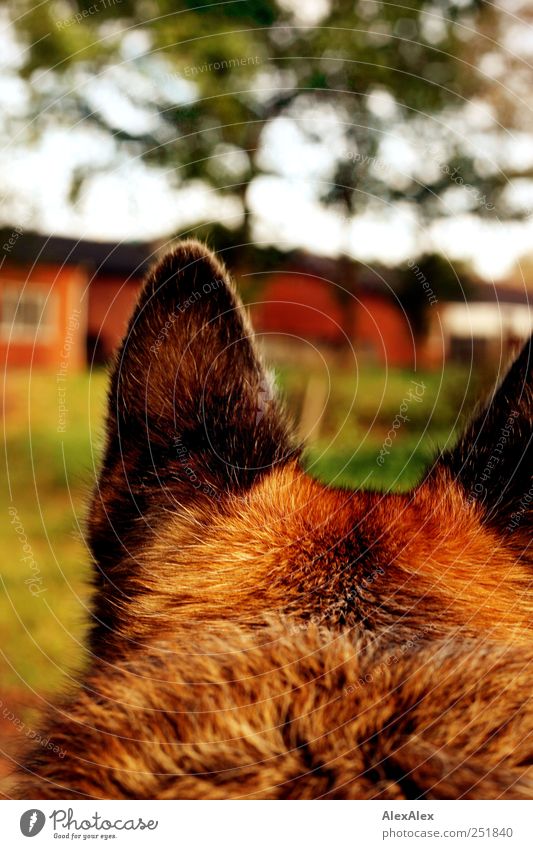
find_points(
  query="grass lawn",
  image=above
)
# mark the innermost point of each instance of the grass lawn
(48, 474)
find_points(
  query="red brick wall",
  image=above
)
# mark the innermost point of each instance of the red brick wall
(305, 306)
(381, 330)
(300, 305)
(111, 302)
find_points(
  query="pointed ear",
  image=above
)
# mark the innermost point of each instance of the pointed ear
(493, 458)
(191, 412)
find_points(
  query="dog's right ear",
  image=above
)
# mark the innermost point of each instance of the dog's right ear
(191, 412)
(493, 460)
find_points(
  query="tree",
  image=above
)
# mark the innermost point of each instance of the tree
(208, 82)
(431, 280)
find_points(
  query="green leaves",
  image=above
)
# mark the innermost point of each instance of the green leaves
(222, 72)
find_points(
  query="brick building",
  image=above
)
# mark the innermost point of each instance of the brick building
(65, 303)
(337, 304)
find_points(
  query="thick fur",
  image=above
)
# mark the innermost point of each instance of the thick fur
(258, 634)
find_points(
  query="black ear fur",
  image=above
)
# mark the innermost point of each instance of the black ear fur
(493, 458)
(191, 413)
(188, 368)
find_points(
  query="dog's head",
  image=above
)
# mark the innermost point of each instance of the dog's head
(203, 512)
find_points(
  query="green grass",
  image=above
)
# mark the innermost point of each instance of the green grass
(358, 415)
(46, 480)
(47, 476)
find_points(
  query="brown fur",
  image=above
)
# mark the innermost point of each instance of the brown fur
(258, 634)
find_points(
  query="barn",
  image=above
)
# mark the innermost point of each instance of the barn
(336, 304)
(64, 303)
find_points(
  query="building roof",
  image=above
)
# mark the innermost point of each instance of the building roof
(133, 259)
(503, 293)
(113, 258)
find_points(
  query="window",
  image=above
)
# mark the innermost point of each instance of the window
(26, 313)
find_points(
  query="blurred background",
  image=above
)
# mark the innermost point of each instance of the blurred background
(365, 170)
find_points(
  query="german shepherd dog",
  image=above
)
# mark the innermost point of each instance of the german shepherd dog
(257, 634)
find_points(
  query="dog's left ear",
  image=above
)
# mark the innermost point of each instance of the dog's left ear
(493, 459)
(192, 415)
